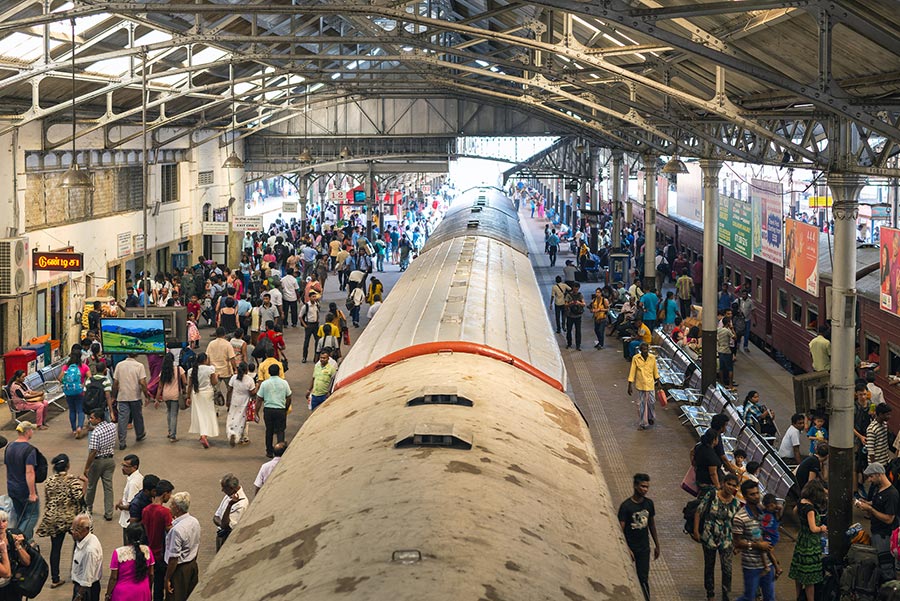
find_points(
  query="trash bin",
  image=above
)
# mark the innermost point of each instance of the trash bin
(19, 359)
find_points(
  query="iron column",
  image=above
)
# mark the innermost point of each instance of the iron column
(650, 222)
(617, 199)
(303, 197)
(710, 190)
(845, 188)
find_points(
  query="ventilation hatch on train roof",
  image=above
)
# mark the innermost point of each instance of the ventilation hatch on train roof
(436, 435)
(438, 395)
(472, 225)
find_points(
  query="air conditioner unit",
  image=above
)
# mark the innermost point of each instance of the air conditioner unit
(14, 258)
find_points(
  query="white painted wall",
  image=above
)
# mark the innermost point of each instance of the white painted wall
(96, 238)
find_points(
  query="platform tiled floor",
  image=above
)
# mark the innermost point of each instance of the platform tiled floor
(598, 380)
(185, 463)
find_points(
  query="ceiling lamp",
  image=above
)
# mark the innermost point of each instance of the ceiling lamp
(675, 166)
(305, 156)
(233, 161)
(74, 178)
(345, 152)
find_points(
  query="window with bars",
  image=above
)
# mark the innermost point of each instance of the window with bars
(129, 189)
(206, 178)
(168, 191)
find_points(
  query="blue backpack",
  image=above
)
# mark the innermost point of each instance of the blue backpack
(71, 381)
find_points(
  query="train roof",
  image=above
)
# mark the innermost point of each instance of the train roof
(484, 212)
(473, 289)
(868, 286)
(516, 508)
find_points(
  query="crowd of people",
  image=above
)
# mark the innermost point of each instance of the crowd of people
(239, 370)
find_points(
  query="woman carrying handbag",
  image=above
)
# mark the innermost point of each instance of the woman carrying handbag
(171, 389)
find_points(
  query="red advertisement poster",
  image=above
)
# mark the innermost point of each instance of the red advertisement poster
(801, 255)
(890, 270)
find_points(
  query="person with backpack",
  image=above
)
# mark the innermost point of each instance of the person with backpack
(354, 302)
(713, 530)
(98, 392)
(309, 319)
(26, 467)
(329, 338)
(73, 376)
(574, 310)
(881, 508)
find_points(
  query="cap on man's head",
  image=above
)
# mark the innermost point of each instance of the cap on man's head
(874, 468)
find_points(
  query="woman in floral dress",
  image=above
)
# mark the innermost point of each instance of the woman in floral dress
(64, 494)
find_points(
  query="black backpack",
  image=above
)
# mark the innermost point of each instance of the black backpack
(261, 349)
(94, 395)
(186, 358)
(40, 465)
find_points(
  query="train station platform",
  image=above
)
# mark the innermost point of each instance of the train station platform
(599, 381)
(185, 463)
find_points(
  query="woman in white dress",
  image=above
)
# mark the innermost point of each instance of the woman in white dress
(243, 387)
(200, 400)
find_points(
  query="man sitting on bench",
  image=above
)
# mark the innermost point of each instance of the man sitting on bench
(23, 399)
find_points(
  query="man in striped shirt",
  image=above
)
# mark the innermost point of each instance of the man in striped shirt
(877, 436)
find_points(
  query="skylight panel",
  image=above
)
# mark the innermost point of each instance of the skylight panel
(153, 37)
(112, 66)
(585, 23)
(171, 80)
(22, 47)
(207, 55)
(243, 87)
(82, 24)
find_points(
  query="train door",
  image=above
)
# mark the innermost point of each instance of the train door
(770, 301)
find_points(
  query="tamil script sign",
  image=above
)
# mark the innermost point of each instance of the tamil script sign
(57, 261)
(801, 255)
(247, 223)
(215, 228)
(768, 220)
(735, 226)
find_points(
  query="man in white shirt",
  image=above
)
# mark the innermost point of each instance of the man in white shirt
(230, 509)
(790, 444)
(266, 469)
(129, 390)
(277, 301)
(182, 545)
(133, 484)
(874, 389)
(289, 289)
(376, 304)
(87, 561)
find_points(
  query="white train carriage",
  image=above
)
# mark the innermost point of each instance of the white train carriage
(448, 464)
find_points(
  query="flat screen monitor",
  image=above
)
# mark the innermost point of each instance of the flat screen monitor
(133, 335)
(359, 196)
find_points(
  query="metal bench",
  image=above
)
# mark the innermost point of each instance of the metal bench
(16, 413)
(47, 381)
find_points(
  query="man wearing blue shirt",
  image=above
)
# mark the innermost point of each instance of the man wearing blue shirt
(726, 299)
(650, 301)
(553, 246)
(274, 395)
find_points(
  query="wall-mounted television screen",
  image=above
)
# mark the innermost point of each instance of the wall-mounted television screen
(133, 335)
(359, 196)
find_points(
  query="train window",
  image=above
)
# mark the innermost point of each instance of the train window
(439, 399)
(796, 310)
(738, 279)
(727, 273)
(812, 317)
(894, 357)
(782, 302)
(873, 349)
(759, 290)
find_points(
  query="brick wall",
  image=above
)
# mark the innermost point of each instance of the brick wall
(47, 205)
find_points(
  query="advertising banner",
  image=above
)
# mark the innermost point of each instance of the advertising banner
(890, 270)
(689, 203)
(735, 226)
(801, 255)
(768, 220)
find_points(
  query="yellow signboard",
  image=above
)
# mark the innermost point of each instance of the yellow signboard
(819, 202)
